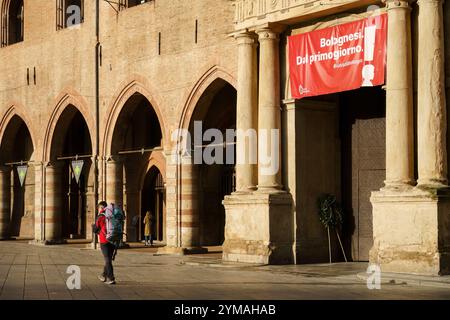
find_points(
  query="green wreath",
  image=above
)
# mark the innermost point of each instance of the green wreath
(330, 211)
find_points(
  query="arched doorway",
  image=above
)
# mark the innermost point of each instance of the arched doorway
(16, 150)
(216, 109)
(136, 138)
(153, 200)
(71, 152)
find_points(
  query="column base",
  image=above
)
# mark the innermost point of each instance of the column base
(259, 228)
(47, 242)
(245, 191)
(428, 184)
(274, 189)
(181, 251)
(398, 186)
(412, 231)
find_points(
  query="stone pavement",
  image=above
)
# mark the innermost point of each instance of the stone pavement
(34, 272)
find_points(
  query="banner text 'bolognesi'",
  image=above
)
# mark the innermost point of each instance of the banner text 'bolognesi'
(339, 58)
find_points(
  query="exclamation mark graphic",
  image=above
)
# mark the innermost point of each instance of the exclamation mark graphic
(368, 72)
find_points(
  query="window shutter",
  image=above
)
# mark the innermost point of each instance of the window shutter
(82, 10)
(59, 15)
(22, 20)
(5, 26)
(122, 4)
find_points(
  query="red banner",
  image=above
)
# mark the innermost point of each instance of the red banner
(340, 58)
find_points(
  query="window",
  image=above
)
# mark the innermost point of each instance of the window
(12, 16)
(69, 13)
(130, 3)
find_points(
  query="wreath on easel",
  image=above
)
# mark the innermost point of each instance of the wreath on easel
(330, 215)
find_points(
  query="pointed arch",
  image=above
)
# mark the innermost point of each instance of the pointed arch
(16, 109)
(64, 100)
(157, 161)
(137, 86)
(201, 86)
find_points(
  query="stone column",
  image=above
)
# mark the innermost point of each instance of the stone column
(171, 199)
(5, 201)
(189, 223)
(399, 97)
(258, 226)
(53, 202)
(431, 109)
(269, 112)
(247, 112)
(39, 191)
(114, 180)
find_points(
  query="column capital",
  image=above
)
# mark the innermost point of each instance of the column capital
(36, 164)
(246, 38)
(421, 2)
(187, 159)
(54, 164)
(288, 104)
(267, 33)
(113, 159)
(398, 4)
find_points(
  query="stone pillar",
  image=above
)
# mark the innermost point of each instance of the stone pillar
(189, 223)
(399, 98)
(431, 109)
(114, 180)
(259, 225)
(247, 111)
(5, 201)
(183, 216)
(171, 199)
(410, 225)
(290, 119)
(269, 112)
(53, 203)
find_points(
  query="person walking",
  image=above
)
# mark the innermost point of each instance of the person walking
(148, 222)
(107, 248)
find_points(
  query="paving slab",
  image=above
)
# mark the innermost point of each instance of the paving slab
(40, 272)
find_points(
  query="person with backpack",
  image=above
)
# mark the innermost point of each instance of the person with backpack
(108, 248)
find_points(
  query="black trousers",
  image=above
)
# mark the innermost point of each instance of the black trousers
(108, 252)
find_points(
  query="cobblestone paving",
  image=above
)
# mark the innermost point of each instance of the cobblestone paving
(34, 272)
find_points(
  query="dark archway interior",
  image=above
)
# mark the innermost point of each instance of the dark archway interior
(137, 129)
(153, 200)
(72, 138)
(217, 110)
(17, 146)
(15, 23)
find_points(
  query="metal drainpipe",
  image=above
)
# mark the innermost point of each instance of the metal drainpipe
(97, 111)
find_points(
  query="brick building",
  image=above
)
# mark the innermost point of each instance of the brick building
(110, 83)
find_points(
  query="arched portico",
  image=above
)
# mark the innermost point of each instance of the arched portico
(69, 198)
(17, 180)
(134, 136)
(212, 101)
